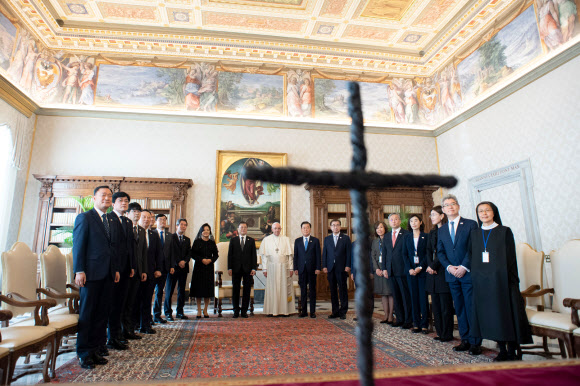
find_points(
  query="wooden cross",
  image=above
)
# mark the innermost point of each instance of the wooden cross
(358, 181)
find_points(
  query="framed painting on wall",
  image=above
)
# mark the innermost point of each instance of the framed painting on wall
(259, 204)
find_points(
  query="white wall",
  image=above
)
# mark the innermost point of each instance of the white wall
(15, 119)
(541, 122)
(91, 146)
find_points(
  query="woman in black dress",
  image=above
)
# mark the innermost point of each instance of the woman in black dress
(498, 306)
(435, 283)
(205, 253)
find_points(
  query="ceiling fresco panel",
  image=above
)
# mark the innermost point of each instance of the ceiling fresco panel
(367, 33)
(249, 22)
(434, 13)
(386, 9)
(129, 12)
(334, 8)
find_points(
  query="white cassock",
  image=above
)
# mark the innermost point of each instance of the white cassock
(276, 255)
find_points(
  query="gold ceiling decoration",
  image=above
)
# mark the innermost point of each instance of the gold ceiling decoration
(351, 77)
(251, 70)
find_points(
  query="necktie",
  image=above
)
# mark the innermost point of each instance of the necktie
(180, 238)
(452, 232)
(394, 238)
(106, 224)
(335, 240)
(243, 242)
(136, 233)
(162, 239)
(305, 243)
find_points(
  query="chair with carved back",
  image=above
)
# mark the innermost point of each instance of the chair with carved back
(223, 281)
(558, 323)
(53, 282)
(4, 352)
(30, 333)
(574, 304)
(188, 280)
(70, 274)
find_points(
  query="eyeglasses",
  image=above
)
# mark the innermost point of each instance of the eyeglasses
(480, 211)
(451, 204)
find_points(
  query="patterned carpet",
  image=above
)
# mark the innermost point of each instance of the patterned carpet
(262, 346)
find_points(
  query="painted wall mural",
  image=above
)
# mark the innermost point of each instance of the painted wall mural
(55, 77)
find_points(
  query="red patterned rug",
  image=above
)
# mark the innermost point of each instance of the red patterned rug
(262, 346)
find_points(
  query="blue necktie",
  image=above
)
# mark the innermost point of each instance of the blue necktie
(452, 232)
(305, 243)
(106, 225)
(162, 239)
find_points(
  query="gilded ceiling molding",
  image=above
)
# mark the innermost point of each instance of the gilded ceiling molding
(155, 62)
(351, 77)
(16, 98)
(252, 70)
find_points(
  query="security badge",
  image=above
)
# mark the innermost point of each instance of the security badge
(485, 257)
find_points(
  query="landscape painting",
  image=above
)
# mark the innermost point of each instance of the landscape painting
(259, 204)
(140, 86)
(331, 100)
(250, 93)
(7, 39)
(511, 48)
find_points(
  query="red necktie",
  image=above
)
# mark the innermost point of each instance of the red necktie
(394, 238)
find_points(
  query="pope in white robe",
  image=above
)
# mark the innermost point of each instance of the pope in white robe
(276, 255)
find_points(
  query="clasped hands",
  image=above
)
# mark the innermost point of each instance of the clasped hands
(416, 271)
(457, 271)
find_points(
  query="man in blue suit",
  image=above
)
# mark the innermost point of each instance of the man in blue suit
(96, 267)
(336, 262)
(452, 244)
(395, 268)
(307, 266)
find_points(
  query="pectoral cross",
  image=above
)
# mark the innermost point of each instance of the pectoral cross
(358, 181)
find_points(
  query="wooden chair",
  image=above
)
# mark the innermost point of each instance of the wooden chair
(223, 281)
(558, 323)
(4, 352)
(31, 335)
(574, 304)
(64, 318)
(188, 280)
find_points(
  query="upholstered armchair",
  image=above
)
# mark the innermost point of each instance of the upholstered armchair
(31, 334)
(4, 351)
(558, 323)
(574, 304)
(223, 281)
(188, 280)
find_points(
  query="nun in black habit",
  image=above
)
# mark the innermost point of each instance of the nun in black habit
(499, 312)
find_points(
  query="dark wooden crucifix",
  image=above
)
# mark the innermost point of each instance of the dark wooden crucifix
(358, 181)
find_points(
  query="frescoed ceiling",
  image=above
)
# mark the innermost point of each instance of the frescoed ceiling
(401, 37)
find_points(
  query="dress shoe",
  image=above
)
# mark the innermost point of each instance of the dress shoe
(343, 317)
(124, 341)
(384, 321)
(355, 319)
(181, 316)
(169, 319)
(313, 316)
(198, 317)
(206, 316)
(391, 322)
(160, 320)
(437, 338)
(397, 324)
(407, 326)
(99, 360)
(244, 315)
(302, 315)
(425, 331)
(501, 357)
(132, 336)
(102, 351)
(445, 339)
(416, 330)
(475, 350)
(236, 315)
(147, 331)
(116, 345)
(333, 316)
(464, 346)
(87, 363)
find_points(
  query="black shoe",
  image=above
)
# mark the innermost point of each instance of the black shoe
(416, 330)
(102, 351)
(464, 346)
(132, 336)
(445, 339)
(313, 316)
(333, 316)
(198, 317)
(124, 341)
(391, 322)
(407, 326)
(437, 338)
(475, 350)
(116, 345)
(425, 331)
(205, 316)
(343, 317)
(397, 324)
(181, 316)
(87, 363)
(99, 360)
(169, 319)
(302, 315)
(501, 357)
(147, 331)
(384, 321)
(244, 315)
(236, 315)
(160, 320)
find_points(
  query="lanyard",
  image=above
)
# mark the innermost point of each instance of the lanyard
(485, 240)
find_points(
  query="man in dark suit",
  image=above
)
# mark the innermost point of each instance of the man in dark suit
(452, 245)
(167, 269)
(395, 268)
(336, 263)
(242, 265)
(154, 267)
(126, 258)
(307, 264)
(130, 314)
(96, 269)
(181, 254)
